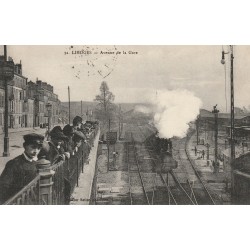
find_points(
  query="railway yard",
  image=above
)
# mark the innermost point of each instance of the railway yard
(136, 175)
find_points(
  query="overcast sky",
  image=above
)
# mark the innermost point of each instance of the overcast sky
(134, 77)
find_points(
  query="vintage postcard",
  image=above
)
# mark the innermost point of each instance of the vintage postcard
(124, 125)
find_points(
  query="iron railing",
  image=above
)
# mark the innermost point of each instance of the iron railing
(29, 195)
(67, 173)
(65, 179)
(58, 197)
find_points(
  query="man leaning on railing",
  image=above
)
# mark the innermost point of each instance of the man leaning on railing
(53, 150)
(21, 170)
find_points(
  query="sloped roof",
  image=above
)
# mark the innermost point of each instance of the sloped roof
(207, 114)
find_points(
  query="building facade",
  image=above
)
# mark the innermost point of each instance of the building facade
(206, 120)
(16, 95)
(28, 102)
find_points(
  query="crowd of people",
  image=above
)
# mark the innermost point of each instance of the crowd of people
(60, 145)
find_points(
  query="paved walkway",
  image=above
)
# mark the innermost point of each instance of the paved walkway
(16, 130)
(82, 193)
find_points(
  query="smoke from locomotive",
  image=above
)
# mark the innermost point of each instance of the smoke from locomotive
(173, 111)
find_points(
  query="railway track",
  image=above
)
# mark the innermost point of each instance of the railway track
(184, 166)
(171, 198)
(194, 180)
(178, 194)
(146, 185)
(198, 176)
(137, 190)
(189, 170)
(157, 192)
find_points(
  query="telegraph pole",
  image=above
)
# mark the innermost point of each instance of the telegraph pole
(81, 108)
(232, 141)
(69, 102)
(216, 111)
(207, 145)
(232, 120)
(197, 129)
(205, 130)
(6, 152)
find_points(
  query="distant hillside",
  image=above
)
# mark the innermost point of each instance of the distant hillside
(75, 107)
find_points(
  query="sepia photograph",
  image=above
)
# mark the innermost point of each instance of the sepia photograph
(124, 125)
(107, 104)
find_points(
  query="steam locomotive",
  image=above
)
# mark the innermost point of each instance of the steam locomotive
(163, 148)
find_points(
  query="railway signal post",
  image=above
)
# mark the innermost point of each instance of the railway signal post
(232, 140)
(207, 145)
(216, 111)
(197, 130)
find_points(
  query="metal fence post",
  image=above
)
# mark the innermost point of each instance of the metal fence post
(82, 157)
(77, 171)
(46, 183)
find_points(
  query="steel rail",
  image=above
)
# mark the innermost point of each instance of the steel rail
(139, 172)
(170, 194)
(192, 166)
(183, 164)
(173, 175)
(153, 193)
(195, 171)
(180, 186)
(197, 174)
(169, 190)
(129, 178)
(192, 192)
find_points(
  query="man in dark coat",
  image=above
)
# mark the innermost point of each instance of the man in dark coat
(68, 144)
(21, 170)
(53, 150)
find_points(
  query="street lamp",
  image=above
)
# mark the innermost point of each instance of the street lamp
(49, 108)
(223, 61)
(215, 111)
(6, 74)
(232, 141)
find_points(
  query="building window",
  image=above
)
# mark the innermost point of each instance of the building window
(12, 106)
(1, 100)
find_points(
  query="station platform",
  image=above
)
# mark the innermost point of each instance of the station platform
(216, 181)
(82, 193)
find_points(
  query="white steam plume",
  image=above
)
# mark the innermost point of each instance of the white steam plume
(174, 110)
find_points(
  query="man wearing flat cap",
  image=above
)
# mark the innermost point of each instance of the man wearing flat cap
(68, 145)
(53, 150)
(77, 121)
(21, 170)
